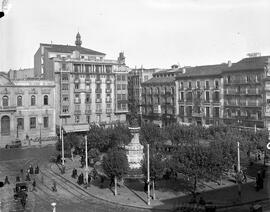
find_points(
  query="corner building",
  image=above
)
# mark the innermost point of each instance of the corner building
(89, 88)
(26, 111)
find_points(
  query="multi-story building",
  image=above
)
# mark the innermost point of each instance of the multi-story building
(247, 92)
(199, 93)
(135, 78)
(20, 74)
(90, 88)
(26, 111)
(158, 97)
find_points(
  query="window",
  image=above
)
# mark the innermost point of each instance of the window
(77, 119)
(207, 96)
(198, 84)
(189, 110)
(65, 109)
(32, 122)
(207, 85)
(108, 106)
(189, 96)
(76, 86)
(65, 87)
(181, 85)
(216, 112)
(65, 98)
(124, 106)
(118, 86)
(5, 101)
(207, 111)
(247, 78)
(124, 97)
(119, 96)
(45, 100)
(19, 101)
(98, 96)
(216, 84)
(123, 77)
(182, 96)
(88, 98)
(118, 77)
(88, 119)
(189, 85)
(216, 96)
(228, 79)
(182, 111)
(65, 77)
(33, 100)
(5, 125)
(20, 123)
(124, 86)
(77, 107)
(45, 122)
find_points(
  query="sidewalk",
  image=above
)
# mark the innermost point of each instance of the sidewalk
(133, 195)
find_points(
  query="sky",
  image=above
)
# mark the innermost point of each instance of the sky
(152, 33)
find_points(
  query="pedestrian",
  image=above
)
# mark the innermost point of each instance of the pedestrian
(145, 186)
(21, 171)
(263, 173)
(34, 185)
(259, 156)
(54, 189)
(18, 179)
(31, 169)
(28, 177)
(6, 180)
(37, 170)
(244, 177)
(89, 179)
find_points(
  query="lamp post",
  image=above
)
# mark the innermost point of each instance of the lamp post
(238, 170)
(54, 206)
(148, 176)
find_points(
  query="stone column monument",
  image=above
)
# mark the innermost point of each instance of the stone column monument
(134, 151)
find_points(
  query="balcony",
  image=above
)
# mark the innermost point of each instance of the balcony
(77, 101)
(108, 90)
(216, 101)
(99, 111)
(76, 80)
(108, 110)
(88, 112)
(206, 87)
(195, 114)
(98, 90)
(88, 101)
(7, 108)
(98, 100)
(77, 112)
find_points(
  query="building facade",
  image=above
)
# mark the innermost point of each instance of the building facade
(135, 78)
(199, 95)
(90, 88)
(158, 98)
(27, 73)
(246, 92)
(26, 111)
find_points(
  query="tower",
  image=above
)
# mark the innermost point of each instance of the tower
(78, 41)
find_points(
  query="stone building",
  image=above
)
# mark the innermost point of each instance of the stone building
(135, 78)
(199, 95)
(89, 88)
(20, 74)
(247, 92)
(26, 111)
(158, 97)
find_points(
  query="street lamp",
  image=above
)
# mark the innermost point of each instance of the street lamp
(86, 161)
(54, 206)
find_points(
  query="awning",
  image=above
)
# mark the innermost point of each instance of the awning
(76, 128)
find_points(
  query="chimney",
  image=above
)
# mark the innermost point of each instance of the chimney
(229, 63)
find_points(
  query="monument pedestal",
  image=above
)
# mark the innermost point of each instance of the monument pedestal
(135, 155)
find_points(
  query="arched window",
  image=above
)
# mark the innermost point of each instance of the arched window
(19, 101)
(5, 125)
(5, 101)
(33, 100)
(45, 100)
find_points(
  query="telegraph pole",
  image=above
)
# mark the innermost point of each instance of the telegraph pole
(63, 152)
(148, 176)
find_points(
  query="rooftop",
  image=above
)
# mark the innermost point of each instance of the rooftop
(69, 49)
(199, 71)
(250, 63)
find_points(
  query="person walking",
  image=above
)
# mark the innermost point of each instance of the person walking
(37, 170)
(34, 185)
(18, 179)
(6, 180)
(54, 189)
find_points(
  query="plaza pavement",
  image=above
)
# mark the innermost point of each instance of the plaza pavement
(223, 196)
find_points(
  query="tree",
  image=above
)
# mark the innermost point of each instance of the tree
(151, 134)
(115, 165)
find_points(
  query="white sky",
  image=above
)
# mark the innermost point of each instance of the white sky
(152, 33)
